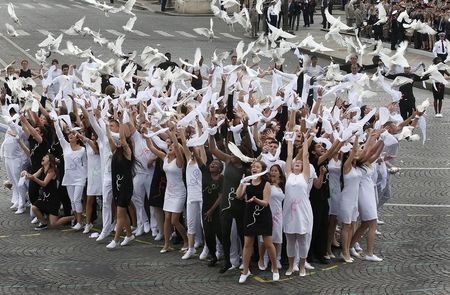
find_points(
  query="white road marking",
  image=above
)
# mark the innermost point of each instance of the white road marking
(162, 33)
(27, 5)
(44, 32)
(142, 34)
(22, 33)
(418, 205)
(114, 32)
(186, 34)
(425, 168)
(20, 49)
(44, 5)
(231, 36)
(3, 63)
(62, 6)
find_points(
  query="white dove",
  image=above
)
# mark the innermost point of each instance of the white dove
(240, 53)
(127, 8)
(106, 8)
(41, 55)
(276, 33)
(218, 59)
(52, 44)
(11, 31)
(417, 25)
(12, 14)
(336, 22)
(229, 3)
(116, 47)
(379, 48)
(196, 63)
(76, 29)
(130, 23)
(209, 33)
(259, 6)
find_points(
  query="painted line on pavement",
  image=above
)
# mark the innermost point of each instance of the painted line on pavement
(22, 33)
(418, 205)
(165, 34)
(231, 36)
(186, 34)
(62, 6)
(1, 237)
(44, 32)
(79, 6)
(3, 63)
(424, 168)
(44, 5)
(139, 33)
(20, 49)
(28, 5)
(114, 32)
(30, 235)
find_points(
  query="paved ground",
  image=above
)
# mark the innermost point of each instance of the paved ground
(414, 241)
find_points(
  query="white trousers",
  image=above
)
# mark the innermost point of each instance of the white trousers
(194, 218)
(75, 193)
(141, 189)
(297, 245)
(13, 169)
(107, 204)
(235, 248)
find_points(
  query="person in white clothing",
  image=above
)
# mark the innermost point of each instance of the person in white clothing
(75, 168)
(196, 158)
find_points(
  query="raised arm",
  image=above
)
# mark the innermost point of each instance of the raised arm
(127, 152)
(177, 147)
(186, 151)
(216, 152)
(111, 142)
(42, 183)
(29, 130)
(351, 157)
(306, 169)
(62, 141)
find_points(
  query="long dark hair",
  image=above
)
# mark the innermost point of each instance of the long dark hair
(358, 164)
(282, 182)
(52, 164)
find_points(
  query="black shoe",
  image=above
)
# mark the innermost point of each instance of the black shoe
(225, 267)
(212, 262)
(41, 226)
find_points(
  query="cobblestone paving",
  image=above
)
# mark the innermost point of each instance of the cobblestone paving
(414, 244)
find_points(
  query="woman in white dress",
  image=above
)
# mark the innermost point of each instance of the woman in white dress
(75, 169)
(297, 211)
(175, 195)
(367, 200)
(94, 175)
(196, 157)
(348, 212)
(334, 178)
(277, 183)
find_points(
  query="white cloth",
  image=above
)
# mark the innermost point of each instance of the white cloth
(367, 200)
(175, 195)
(194, 182)
(348, 211)
(297, 211)
(94, 177)
(334, 182)
(275, 203)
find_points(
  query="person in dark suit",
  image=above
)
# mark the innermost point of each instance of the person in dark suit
(326, 4)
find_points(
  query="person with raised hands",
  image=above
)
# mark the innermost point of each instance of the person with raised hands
(122, 173)
(75, 168)
(297, 211)
(175, 194)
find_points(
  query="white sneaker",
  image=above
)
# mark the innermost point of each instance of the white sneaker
(204, 253)
(358, 247)
(159, 237)
(139, 231)
(308, 266)
(112, 245)
(373, 258)
(380, 222)
(241, 267)
(295, 268)
(275, 276)
(14, 206)
(87, 228)
(20, 210)
(34, 221)
(354, 253)
(77, 226)
(377, 232)
(127, 240)
(262, 266)
(244, 277)
(146, 227)
(189, 253)
(102, 235)
(302, 274)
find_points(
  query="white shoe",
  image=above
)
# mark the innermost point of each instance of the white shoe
(20, 210)
(14, 207)
(159, 237)
(377, 232)
(244, 277)
(308, 266)
(147, 227)
(112, 245)
(233, 267)
(302, 274)
(262, 267)
(275, 276)
(241, 267)
(380, 222)
(127, 240)
(87, 228)
(139, 231)
(189, 253)
(289, 273)
(279, 264)
(204, 253)
(358, 247)
(354, 253)
(34, 221)
(102, 235)
(346, 260)
(295, 268)
(77, 226)
(373, 258)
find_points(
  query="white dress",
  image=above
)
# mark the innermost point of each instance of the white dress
(275, 203)
(297, 211)
(94, 177)
(334, 178)
(175, 195)
(348, 211)
(367, 200)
